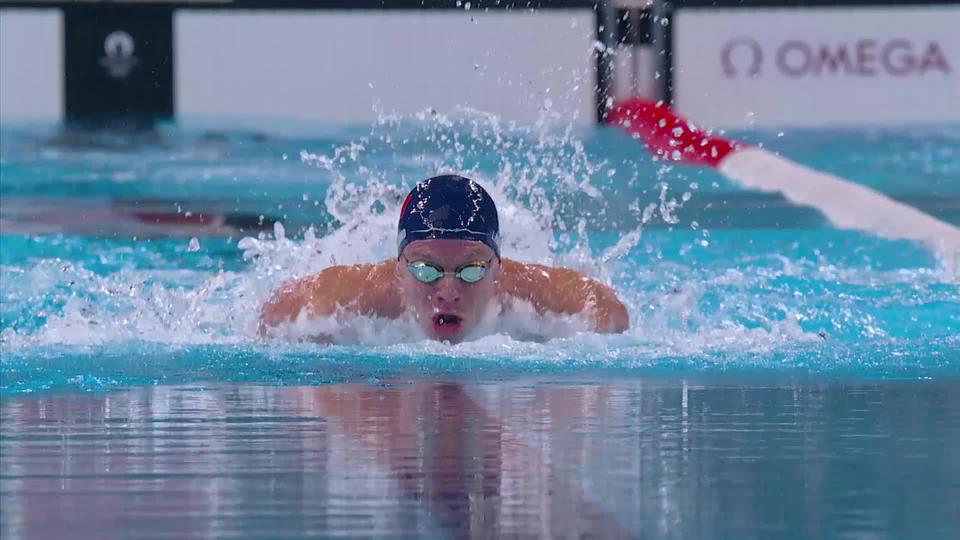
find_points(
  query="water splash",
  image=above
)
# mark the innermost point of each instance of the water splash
(717, 297)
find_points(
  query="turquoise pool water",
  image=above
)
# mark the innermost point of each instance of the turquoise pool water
(782, 378)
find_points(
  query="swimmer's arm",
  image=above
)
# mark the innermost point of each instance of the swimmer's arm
(359, 289)
(561, 290)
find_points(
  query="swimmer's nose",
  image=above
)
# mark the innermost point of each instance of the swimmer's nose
(448, 291)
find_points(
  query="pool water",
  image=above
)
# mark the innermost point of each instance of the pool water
(782, 378)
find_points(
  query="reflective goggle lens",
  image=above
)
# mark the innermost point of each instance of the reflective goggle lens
(472, 273)
(427, 273)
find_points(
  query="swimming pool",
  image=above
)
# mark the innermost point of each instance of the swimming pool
(782, 378)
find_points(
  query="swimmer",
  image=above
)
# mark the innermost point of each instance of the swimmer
(447, 276)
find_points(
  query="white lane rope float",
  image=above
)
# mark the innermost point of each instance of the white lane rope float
(846, 204)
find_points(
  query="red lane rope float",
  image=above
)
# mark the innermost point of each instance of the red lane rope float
(668, 135)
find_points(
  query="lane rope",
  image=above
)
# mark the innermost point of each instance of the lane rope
(846, 204)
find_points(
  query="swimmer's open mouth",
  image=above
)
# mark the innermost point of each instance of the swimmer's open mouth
(444, 319)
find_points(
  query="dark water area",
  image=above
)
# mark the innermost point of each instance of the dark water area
(565, 458)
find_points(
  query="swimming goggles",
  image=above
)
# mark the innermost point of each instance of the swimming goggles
(425, 272)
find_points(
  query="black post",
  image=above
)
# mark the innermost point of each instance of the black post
(606, 17)
(663, 46)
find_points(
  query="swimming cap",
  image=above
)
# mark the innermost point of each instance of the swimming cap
(449, 206)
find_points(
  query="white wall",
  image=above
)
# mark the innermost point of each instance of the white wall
(902, 65)
(335, 66)
(31, 64)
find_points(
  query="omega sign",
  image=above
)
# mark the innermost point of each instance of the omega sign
(745, 57)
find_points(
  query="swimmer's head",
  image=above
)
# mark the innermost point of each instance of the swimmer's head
(448, 255)
(449, 207)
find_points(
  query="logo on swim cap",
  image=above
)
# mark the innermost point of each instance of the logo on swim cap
(449, 206)
(437, 216)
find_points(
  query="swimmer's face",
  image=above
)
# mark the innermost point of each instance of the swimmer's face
(448, 308)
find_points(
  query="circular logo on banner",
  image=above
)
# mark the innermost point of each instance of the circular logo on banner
(119, 60)
(749, 55)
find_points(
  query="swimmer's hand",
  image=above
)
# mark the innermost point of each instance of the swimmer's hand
(565, 291)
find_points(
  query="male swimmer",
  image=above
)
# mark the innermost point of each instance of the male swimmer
(448, 274)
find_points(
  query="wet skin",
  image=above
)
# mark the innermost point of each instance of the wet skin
(447, 309)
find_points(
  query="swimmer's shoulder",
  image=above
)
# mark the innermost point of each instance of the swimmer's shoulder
(368, 289)
(563, 290)
(356, 275)
(517, 277)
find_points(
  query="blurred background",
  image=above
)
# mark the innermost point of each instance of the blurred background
(727, 63)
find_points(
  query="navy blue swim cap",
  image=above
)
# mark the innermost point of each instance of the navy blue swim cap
(449, 206)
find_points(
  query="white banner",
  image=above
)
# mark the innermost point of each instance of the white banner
(337, 67)
(824, 66)
(31, 64)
